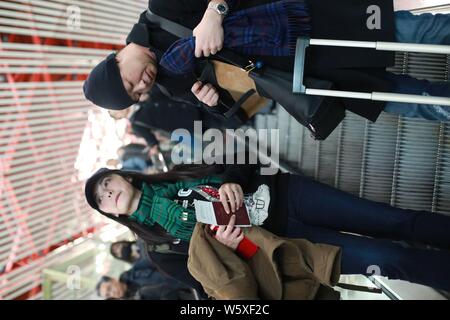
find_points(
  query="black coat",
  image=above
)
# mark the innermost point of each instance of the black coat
(161, 113)
(350, 69)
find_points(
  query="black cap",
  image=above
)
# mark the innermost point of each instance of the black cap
(90, 186)
(104, 86)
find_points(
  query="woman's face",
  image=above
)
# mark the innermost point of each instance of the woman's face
(116, 195)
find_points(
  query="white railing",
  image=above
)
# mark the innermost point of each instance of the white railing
(46, 126)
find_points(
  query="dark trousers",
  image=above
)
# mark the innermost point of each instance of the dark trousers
(425, 28)
(321, 214)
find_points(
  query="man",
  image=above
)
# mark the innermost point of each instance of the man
(150, 59)
(110, 288)
(143, 281)
(170, 260)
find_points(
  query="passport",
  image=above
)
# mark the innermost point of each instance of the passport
(214, 213)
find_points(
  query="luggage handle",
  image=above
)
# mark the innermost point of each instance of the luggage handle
(299, 63)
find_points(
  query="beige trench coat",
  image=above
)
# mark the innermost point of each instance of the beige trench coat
(281, 269)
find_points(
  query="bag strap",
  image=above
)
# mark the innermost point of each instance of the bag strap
(168, 25)
(239, 103)
(354, 287)
(163, 248)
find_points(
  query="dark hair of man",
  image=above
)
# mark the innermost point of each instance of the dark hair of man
(123, 243)
(103, 279)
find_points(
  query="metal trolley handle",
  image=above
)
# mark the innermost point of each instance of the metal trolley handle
(303, 43)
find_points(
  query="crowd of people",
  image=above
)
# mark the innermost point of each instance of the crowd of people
(145, 280)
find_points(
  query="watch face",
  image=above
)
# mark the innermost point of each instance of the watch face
(222, 9)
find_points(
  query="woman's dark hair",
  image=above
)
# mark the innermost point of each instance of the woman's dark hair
(150, 234)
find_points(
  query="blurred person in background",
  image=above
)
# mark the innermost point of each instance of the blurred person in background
(134, 157)
(144, 280)
(164, 257)
(127, 251)
(123, 289)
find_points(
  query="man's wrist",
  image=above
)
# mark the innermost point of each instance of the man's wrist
(214, 15)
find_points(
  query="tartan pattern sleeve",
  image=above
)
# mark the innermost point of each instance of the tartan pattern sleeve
(180, 58)
(270, 29)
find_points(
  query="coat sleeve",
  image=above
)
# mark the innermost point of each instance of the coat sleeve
(222, 273)
(241, 174)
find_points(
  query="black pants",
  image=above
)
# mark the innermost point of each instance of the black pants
(321, 214)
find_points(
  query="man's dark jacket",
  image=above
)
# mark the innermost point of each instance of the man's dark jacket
(349, 69)
(161, 113)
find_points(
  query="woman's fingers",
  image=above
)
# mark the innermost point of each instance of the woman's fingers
(231, 199)
(224, 200)
(229, 235)
(229, 227)
(229, 232)
(231, 196)
(236, 232)
(230, 224)
(238, 195)
(220, 230)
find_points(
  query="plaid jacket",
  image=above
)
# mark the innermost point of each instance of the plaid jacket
(270, 29)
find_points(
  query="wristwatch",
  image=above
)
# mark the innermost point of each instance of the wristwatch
(220, 7)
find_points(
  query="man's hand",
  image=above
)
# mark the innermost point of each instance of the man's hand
(206, 93)
(231, 195)
(229, 235)
(208, 34)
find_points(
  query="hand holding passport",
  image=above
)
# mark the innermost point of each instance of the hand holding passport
(214, 213)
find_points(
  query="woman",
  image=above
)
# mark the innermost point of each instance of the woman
(299, 208)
